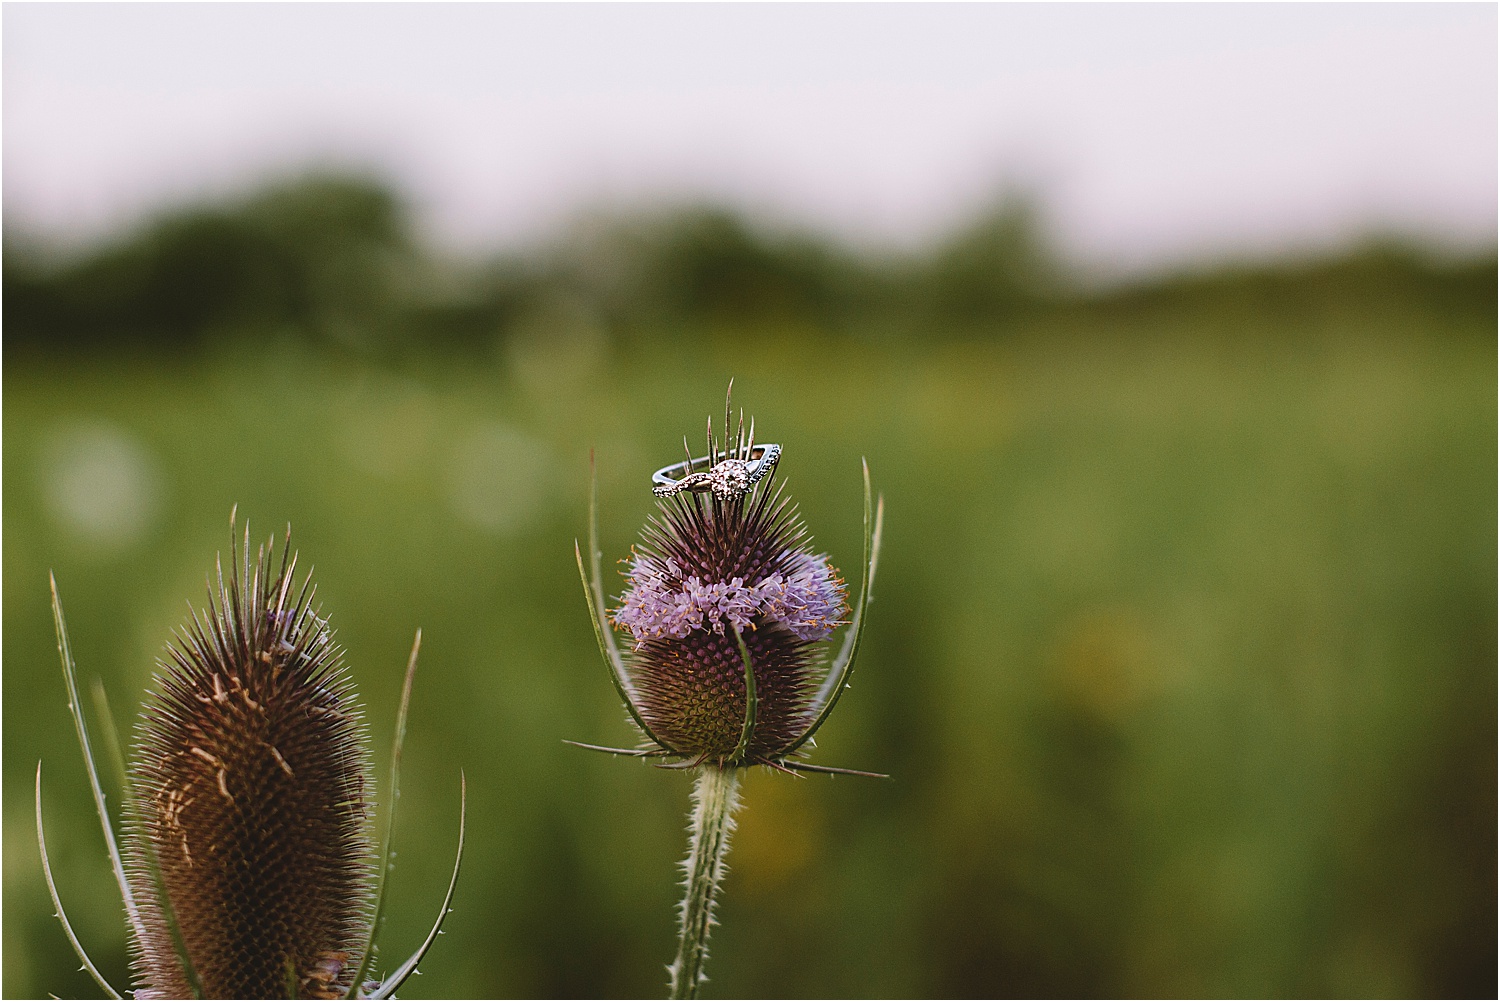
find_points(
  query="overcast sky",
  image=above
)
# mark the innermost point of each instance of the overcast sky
(1153, 133)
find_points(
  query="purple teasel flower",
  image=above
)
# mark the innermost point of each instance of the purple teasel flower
(726, 609)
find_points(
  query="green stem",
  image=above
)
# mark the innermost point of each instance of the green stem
(714, 803)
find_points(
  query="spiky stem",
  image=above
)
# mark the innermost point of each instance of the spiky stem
(715, 799)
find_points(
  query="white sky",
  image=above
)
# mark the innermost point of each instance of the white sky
(1154, 133)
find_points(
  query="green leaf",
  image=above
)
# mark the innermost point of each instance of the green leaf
(62, 916)
(632, 752)
(593, 590)
(389, 987)
(843, 665)
(111, 736)
(751, 703)
(367, 957)
(148, 852)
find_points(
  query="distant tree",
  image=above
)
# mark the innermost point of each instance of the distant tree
(326, 255)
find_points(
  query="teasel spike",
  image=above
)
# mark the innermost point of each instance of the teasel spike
(675, 531)
(728, 413)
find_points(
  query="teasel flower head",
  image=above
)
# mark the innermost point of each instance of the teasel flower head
(253, 778)
(725, 613)
(249, 867)
(712, 577)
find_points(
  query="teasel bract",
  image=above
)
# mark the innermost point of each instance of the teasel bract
(726, 608)
(249, 868)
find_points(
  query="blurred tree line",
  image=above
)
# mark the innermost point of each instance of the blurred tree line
(335, 259)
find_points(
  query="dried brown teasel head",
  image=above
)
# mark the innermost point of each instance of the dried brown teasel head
(249, 867)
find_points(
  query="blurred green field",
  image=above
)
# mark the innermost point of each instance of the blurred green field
(1183, 654)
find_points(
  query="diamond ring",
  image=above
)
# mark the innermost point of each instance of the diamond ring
(728, 480)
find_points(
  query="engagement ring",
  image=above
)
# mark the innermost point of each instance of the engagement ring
(728, 480)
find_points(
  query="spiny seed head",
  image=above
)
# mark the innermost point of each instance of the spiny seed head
(252, 783)
(709, 567)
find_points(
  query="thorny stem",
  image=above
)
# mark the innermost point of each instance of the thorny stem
(714, 802)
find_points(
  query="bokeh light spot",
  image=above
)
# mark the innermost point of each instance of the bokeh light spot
(499, 478)
(101, 484)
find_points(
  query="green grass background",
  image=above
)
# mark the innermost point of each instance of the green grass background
(1182, 657)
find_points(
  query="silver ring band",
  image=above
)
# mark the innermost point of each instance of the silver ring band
(728, 480)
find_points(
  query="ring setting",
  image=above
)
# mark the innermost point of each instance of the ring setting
(728, 480)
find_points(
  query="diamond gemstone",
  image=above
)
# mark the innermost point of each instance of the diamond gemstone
(730, 479)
